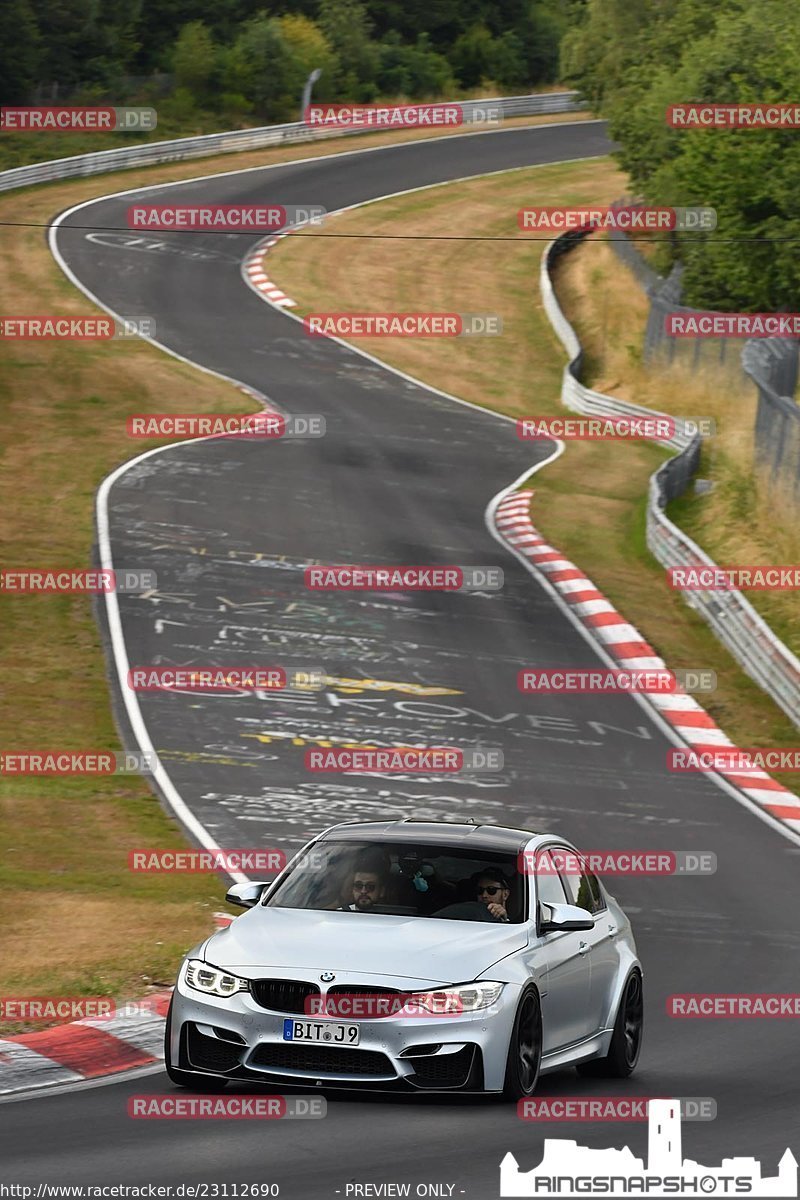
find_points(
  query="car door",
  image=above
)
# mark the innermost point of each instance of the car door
(567, 986)
(583, 889)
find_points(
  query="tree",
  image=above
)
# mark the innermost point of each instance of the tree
(262, 67)
(20, 52)
(310, 49)
(472, 56)
(347, 28)
(195, 60)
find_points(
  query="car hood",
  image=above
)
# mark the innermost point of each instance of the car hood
(410, 948)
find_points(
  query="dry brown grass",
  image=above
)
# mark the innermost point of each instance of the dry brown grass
(743, 519)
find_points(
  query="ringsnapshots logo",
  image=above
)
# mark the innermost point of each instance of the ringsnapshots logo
(402, 324)
(403, 760)
(27, 581)
(75, 118)
(366, 578)
(77, 762)
(215, 679)
(223, 218)
(250, 426)
(76, 329)
(568, 1169)
(758, 115)
(402, 116)
(611, 218)
(591, 680)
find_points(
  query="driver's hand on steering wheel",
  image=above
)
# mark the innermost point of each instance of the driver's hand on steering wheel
(498, 911)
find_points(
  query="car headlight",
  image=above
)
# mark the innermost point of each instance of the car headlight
(213, 981)
(451, 1001)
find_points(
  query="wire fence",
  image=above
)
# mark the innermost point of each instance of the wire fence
(771, 363)
(733, 619)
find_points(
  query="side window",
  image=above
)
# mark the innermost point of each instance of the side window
(598, 899)
(580, 884)
(549, 889)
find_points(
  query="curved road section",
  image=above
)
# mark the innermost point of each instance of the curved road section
(403, 476)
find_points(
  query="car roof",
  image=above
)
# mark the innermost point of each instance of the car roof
(446, 833)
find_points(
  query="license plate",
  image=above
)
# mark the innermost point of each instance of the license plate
(321, 1031)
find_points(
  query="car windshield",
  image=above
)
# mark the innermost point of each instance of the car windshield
(402, 879)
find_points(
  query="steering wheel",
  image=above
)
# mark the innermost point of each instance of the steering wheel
(466, 910)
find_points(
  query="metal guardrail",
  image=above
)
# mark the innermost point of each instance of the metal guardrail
(733, 619)
(150, 153)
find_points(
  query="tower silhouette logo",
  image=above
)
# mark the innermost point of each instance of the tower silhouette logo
(568, 1169)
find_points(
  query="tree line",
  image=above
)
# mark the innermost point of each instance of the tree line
(240, 59)
(632, 60)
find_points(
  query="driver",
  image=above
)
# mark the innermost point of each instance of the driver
(368, 886)
(492, 889)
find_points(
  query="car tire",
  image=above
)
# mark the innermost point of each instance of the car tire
(187, 1079)
(524, 1049)
(626, 1041)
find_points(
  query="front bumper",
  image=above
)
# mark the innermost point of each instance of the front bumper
(238, 1039)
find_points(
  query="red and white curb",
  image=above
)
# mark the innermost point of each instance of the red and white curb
(253, 268)
(85, 1049)
(624, 643)
(90, 1048)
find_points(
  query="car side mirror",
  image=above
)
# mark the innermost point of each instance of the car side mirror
(246, 895)
(564, 917)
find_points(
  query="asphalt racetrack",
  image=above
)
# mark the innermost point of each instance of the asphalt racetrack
(403, 476)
